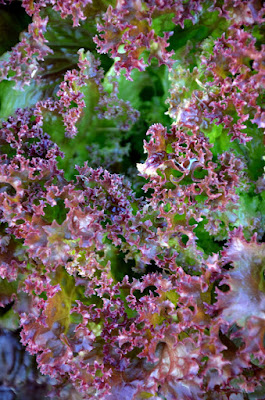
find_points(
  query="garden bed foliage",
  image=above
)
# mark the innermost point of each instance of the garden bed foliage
(132, 195)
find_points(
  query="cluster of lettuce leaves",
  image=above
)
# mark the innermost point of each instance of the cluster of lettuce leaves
(132, 195)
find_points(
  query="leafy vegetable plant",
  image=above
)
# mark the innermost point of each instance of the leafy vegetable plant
(134, 268)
